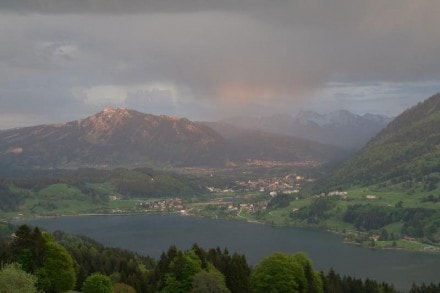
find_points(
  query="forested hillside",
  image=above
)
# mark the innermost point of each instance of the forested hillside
(406, 152)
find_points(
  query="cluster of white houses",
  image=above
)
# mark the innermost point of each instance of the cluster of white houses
(288, 185)
(173, 204)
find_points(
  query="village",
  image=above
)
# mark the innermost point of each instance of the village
(263, 190)
(163, 205)
(251, 196)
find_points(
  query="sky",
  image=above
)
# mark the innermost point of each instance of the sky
(62, 60)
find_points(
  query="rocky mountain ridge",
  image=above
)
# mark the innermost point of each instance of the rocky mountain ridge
(117, 136)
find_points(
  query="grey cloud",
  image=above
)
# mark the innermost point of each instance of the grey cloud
(154, 101)
(245, 55)
(125, 6)
(39, 97)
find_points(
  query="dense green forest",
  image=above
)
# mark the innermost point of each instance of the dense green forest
(34, 260)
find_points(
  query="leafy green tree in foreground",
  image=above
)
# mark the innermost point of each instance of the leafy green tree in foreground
(14, 279)
(282, 272)
(211, 281)
(97, 283)
(57, 273)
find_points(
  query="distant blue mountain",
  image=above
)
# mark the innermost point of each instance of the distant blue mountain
(340, 128)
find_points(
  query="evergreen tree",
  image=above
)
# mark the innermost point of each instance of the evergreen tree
(237, 274)
(182, 270)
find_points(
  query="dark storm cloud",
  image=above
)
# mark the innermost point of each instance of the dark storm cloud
(202, 57)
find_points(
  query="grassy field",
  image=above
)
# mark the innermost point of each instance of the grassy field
(388, 198)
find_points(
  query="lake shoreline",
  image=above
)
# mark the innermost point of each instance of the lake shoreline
(308, 227)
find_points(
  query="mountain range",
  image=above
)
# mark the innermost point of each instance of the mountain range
(124, 136)
(340, 128)
(406, 152)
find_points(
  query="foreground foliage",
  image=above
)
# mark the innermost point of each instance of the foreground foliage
(97, 283)
(14, 279)
(286, 273)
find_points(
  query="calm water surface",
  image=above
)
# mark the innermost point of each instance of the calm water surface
(152, 234)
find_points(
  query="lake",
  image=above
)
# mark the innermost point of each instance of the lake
(152, 234)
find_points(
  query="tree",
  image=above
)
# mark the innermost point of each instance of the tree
(162, 266)
(28, 248)
(211, 281)
(14, 279)
(279, 272)
(282, 272)
(314, 282)
(181, 272)
(58, 268)
(97, 283)
(237, 274)
(123, 288)
(333, 282)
